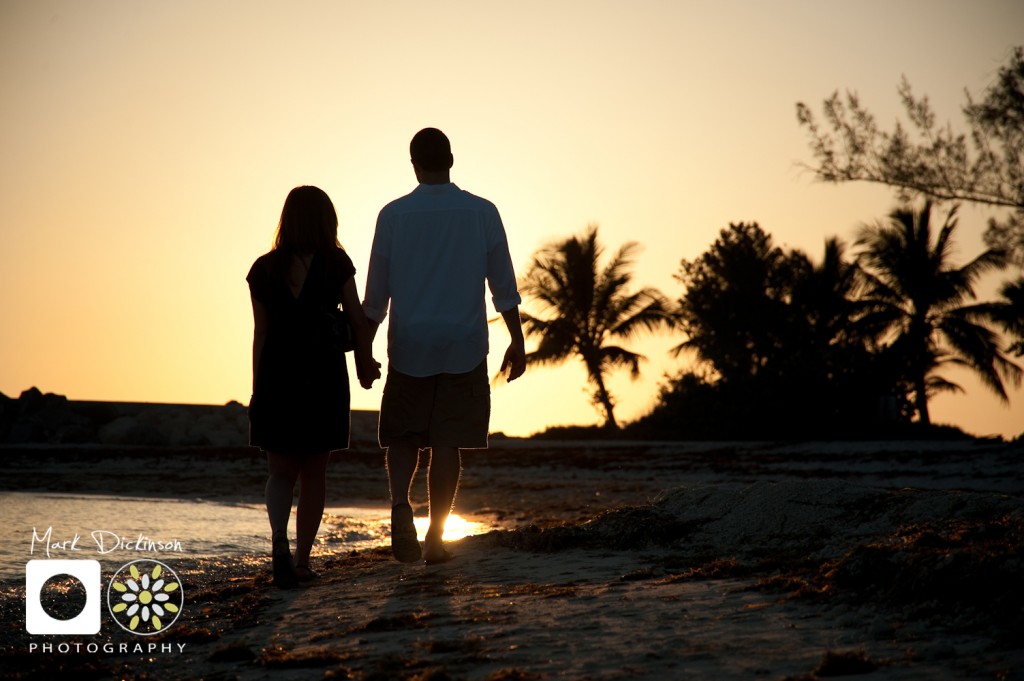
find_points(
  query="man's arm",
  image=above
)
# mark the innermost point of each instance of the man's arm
(373, 326)
(377, 297)
(367, 368)
(501, 279)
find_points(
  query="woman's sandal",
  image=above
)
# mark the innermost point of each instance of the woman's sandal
(304, 574)
(284, 572)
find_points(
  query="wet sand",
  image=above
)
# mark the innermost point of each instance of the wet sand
(614, 561)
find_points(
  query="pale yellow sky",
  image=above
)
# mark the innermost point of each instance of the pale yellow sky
(147, 148)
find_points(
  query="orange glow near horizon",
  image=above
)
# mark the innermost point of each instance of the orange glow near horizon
(148, 149)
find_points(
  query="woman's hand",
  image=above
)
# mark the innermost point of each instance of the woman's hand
(367, 368)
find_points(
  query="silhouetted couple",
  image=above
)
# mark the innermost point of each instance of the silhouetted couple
(432, 252)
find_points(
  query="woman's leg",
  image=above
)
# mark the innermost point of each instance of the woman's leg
(279, 491)
(280, 486)
(312, 494)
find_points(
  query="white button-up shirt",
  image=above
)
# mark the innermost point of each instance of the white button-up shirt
(433, 250)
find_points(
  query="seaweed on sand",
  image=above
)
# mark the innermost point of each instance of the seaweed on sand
(966, 571)
(621, 529)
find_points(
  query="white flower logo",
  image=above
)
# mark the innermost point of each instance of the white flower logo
(145, 597)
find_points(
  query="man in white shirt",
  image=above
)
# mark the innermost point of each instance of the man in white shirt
(433, 251)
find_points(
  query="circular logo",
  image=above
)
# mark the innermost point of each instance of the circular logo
(145, 597)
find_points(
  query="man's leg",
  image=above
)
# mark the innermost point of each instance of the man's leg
(442, 484)
(401, 461)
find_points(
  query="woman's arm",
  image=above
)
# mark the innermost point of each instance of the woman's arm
(259, 336)
(367, 368)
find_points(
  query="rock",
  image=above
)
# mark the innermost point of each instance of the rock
(38, 418)
(43, 418)
(127, 430)
(8, 415)
(30, 399)
(23, 433)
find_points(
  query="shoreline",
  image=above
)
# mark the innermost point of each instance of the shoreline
(618, 562)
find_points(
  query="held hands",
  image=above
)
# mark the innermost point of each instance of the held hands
(514, 361)
(368, 371)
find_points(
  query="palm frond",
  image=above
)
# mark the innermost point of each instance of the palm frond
(977, 346)
(938, 384)
(613, 356)
(644, 311)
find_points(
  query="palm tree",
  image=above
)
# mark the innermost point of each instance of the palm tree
(828, 338)
(922, 302)
(829, 297)
(585, 307)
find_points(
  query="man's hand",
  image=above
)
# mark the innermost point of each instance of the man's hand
(515, 356)
(514, 361)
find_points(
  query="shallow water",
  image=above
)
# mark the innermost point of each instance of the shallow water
(116, 530)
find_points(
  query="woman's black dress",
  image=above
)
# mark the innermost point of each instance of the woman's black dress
(300, 401)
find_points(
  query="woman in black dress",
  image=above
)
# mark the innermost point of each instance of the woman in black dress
(299, 410)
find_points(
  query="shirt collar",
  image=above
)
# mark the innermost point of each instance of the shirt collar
(436, 189)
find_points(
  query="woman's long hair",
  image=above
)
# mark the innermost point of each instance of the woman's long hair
(308, 223)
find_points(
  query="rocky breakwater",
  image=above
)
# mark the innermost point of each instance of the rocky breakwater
(35, 418)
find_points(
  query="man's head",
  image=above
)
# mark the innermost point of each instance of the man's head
(431, 151)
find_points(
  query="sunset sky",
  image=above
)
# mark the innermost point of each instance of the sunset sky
(146, 149)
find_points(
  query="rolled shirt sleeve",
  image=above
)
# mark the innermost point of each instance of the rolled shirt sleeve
(501, 277)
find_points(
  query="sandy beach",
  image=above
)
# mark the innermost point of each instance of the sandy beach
(897, 560)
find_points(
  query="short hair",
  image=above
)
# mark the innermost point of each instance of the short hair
(431, 150)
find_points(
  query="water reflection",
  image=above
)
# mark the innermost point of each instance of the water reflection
(349, 528)
(202, 529)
